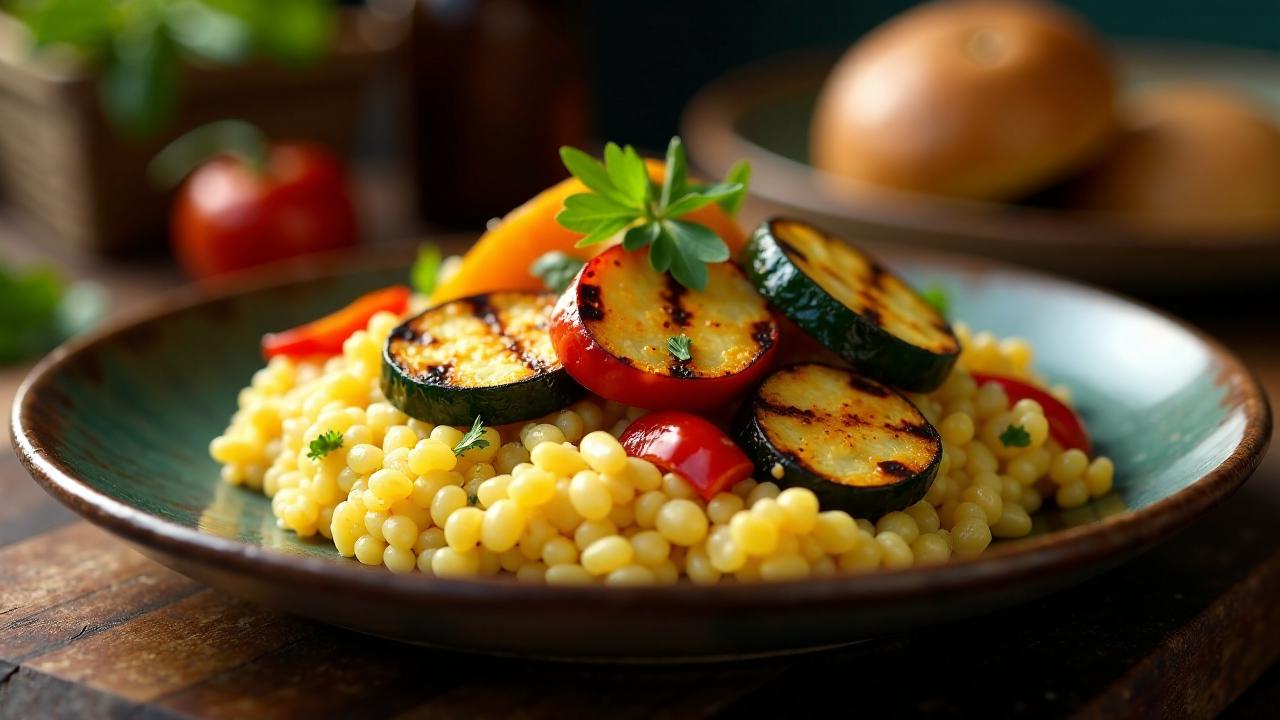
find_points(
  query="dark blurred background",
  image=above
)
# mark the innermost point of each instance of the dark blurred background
(646, 67)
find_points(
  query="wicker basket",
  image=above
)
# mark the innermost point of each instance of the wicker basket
(65, 171)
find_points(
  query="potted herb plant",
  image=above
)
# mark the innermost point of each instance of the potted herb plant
(91, 89)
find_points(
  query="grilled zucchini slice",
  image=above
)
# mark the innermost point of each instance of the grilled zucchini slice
(857, 444)
(487, 355)
(851, 304)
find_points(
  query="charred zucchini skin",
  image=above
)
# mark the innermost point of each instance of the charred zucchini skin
(497, 405)
(868, 502)
(870, 348)
(448, 394)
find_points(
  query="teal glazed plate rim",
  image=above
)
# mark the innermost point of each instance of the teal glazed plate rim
(1212, 409)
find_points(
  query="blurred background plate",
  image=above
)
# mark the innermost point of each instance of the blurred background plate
(762, 112)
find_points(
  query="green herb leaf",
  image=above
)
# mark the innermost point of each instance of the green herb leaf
(593, 175)
(1015, 436)
(426, 268)
(325, 443)
(627, 171)
(473, 439)
(556, 269)
(739, 174)
(673, 183)
(182, 156)
(678, 346)
(623, 201)
(697, 241)
(938, 299)
(640, 236)
(662, 251)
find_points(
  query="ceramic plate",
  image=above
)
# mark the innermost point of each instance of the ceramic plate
(762, 113)
(117, 426)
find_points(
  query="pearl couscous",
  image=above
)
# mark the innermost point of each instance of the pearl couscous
(559, 500)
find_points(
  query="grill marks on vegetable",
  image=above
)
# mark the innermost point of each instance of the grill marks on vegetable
(851, 304)
(631, 311)
(856, 443)
(487, 355)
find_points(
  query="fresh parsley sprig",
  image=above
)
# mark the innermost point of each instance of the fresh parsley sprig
(678, 346)
(426, 268)
(624, 198)
(473, 439)
(325, 443)
(1015, 436)
(556, 269)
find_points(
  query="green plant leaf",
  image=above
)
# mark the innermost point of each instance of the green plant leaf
(140, 80)
(208, 33)
(661, 252)
(474, 438)
(594, 175)
(674, 182)
(556, 269)
(182, 156)
(937, 298)
(589, 206)
(1015, 436)
(697, 241)
(640, 235)
(678, 346)
(324, 443)
(426, 268)
(688, 270)
(627, 172)
(604, 231)
(86, 25)
(294, 32)
(739, 174)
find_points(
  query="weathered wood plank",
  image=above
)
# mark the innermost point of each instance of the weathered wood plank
(57, 566)
(26, 693)
(326, 673)
(172, 647)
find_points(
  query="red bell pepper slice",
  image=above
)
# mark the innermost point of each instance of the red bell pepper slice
(326, 335)
(689, 446)
(1064, 425)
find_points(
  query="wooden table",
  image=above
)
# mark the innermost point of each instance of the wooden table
(90, 628)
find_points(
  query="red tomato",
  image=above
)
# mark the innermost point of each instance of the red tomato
(1064, 425)
(610, 377)
(690, 447)
(228, 216)
(326, 335)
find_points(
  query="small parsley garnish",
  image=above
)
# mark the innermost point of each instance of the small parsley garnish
(473, 439)
(426, 269)
(325, 443)
(556, 269)
(678, 346)
(1015, 436)
(623, 198)
(937, 298)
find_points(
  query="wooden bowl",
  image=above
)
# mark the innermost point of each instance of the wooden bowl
(762, 113)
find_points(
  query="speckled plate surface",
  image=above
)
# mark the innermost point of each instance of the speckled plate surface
(117, 426)
(761, 112)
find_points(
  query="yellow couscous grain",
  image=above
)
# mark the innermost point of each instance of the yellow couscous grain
(558, 500)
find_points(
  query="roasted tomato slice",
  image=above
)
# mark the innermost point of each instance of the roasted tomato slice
(690, 447)
(611, 329)
(1064, 425)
